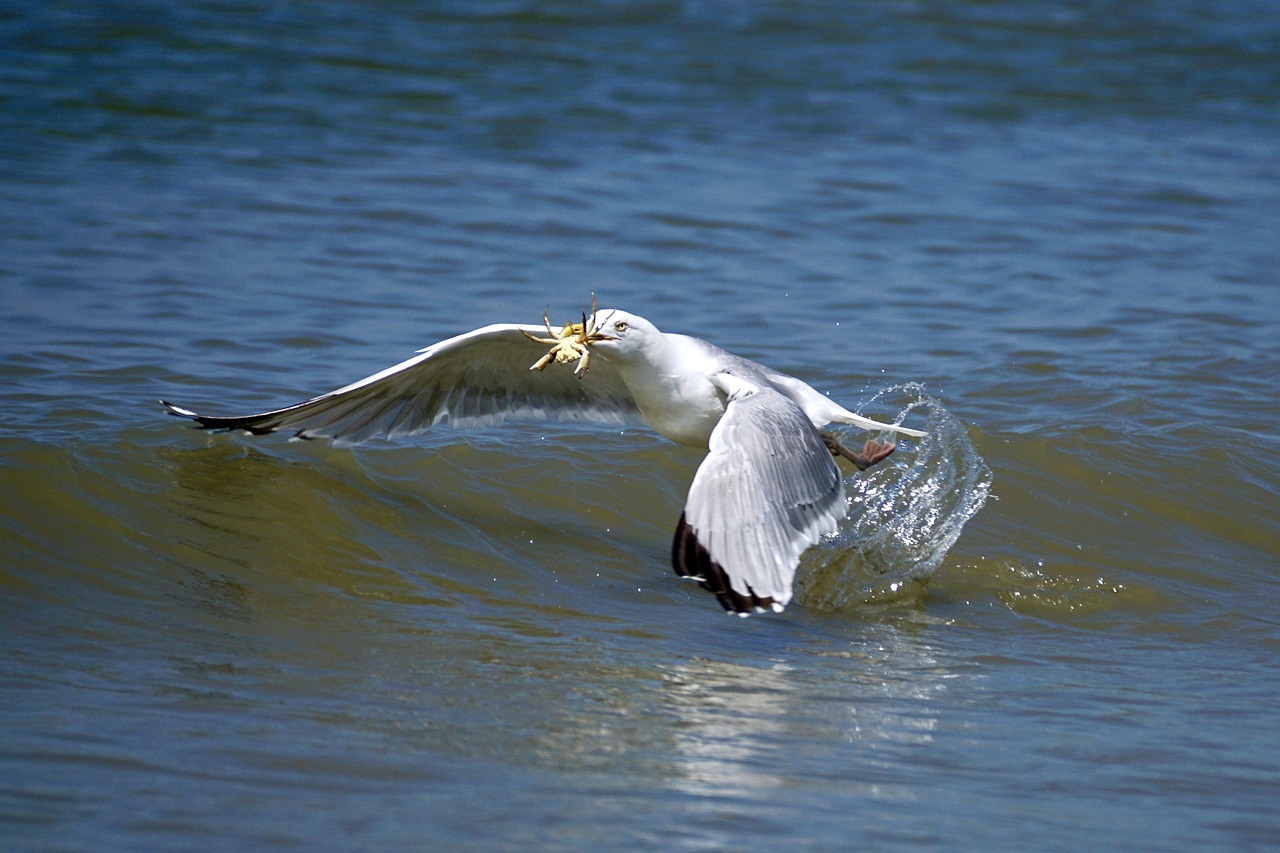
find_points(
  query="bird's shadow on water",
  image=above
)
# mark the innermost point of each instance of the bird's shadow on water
(904, 515)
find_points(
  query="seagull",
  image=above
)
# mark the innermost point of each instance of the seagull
(768, 488)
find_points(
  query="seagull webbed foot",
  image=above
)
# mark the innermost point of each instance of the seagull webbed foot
(872, 452)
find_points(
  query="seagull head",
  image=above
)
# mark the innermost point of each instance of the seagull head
(619, 334)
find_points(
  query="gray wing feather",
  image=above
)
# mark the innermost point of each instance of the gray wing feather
(767, 490)
(480, 378)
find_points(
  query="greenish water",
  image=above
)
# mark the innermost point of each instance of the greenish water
(1049, 226)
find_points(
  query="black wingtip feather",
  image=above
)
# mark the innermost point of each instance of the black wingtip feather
(213, 422)
(690, 560)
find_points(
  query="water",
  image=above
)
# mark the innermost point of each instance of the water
(903, 517)
(1049, 226)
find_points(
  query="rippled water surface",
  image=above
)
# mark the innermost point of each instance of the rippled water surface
(1048, 230)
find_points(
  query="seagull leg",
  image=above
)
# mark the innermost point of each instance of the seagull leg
(872, 452)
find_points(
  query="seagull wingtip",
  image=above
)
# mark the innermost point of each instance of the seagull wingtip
(171, 409)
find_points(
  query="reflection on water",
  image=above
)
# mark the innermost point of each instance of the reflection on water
(904, 514)
(740, 729)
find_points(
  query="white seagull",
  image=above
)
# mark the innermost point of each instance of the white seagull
(768, 488)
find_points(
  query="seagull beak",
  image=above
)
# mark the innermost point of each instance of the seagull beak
(579, 330)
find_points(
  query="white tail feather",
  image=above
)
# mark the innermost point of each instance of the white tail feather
(868, 423)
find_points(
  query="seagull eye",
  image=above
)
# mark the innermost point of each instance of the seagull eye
(620, 326)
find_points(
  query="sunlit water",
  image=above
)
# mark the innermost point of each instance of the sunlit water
(1045, 232)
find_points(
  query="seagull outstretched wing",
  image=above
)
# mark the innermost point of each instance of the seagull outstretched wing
(476, 379)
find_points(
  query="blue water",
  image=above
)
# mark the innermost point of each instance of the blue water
(1050, 227)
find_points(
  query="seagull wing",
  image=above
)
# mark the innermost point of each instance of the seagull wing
(767, 490)
(476, 379)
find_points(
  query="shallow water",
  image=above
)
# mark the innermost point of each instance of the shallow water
(1050, 225)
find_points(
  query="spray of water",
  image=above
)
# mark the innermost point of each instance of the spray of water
(904, 514)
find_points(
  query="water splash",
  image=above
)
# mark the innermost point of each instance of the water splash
(904, 515)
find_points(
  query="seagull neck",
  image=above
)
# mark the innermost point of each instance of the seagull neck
(672, 389)
(654, 364)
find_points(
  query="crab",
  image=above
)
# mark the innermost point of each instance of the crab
(569, 343)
